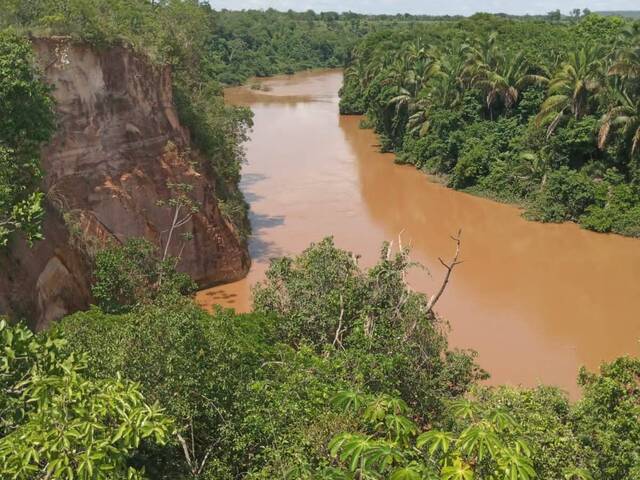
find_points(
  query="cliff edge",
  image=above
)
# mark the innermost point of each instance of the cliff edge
(118, 148)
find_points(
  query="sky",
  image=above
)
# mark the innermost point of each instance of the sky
(430, 7)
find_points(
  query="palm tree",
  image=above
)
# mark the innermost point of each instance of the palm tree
(505, 81)
(409, 76)
(448, 83)
(484, 54)
(624, 117)
(627, 63)
(443, 84)
(572, 86)
(534, 166)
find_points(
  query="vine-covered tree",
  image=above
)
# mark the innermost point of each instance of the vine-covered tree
(26, 121)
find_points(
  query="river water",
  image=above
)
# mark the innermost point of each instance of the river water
(537, 301)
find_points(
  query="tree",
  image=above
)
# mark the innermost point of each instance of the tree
(607, 415)
(182, 206)
(133, 273)
(486, 446)
(554, 16)
(623, 118)
(627, 63)
(504, 82)
(572, 87)
(59, 424)
(26, 121)
(203, 370)
(447, 88)
(323, 294)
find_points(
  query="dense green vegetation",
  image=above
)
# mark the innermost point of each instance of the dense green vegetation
(134, 273)
(206, 50)
(544, 114)
(57, 423)
(224, 45)
(338, 374)
(621, 13)
(26, 121)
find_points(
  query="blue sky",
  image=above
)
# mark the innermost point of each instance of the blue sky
(434, 7)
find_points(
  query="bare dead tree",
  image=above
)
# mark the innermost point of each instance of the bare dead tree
(337, 341)
(178, 204)
(196, 466)
(449, 266)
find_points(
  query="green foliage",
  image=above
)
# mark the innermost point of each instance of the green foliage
(26, 120)
(606, 419)
(225, 45)
(486, 445)
(192, 364)
(509, 107)
(565, 196)
(252, 406)
(253, 396)
(543, 415)
(133, 274)
(263, 43)
(59, 424)
(287, 419)
(367, 318)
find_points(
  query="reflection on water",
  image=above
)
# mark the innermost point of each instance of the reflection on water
(536, 301)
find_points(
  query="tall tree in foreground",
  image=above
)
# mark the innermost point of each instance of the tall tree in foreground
(485, 444)
(57, 424)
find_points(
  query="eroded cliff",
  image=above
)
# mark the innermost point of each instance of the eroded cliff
(106, 170)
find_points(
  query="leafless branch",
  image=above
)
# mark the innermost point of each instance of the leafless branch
(338, 338)
(449, 267)
(190, 456)
(176, 213)
(185, 449)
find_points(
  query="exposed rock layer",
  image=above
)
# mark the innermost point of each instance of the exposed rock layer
(106, 169)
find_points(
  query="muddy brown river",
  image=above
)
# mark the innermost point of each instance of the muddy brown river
(537, 301)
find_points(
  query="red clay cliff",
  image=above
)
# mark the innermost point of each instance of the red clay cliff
(105, 171)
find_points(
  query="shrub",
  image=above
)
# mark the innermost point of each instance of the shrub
(351, 101)
(487, 443)
(617, 207)
(606, 419)
(133, 274)
(368, 318)
(543, 414)
(474, 163)
(576, 141)
(57, 423)
(194, 365)
(565, 196)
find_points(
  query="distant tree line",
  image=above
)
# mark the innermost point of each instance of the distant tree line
(543, 114)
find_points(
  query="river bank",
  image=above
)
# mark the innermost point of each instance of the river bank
(537, 301)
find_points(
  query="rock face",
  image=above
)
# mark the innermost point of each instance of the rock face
(115, 155)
